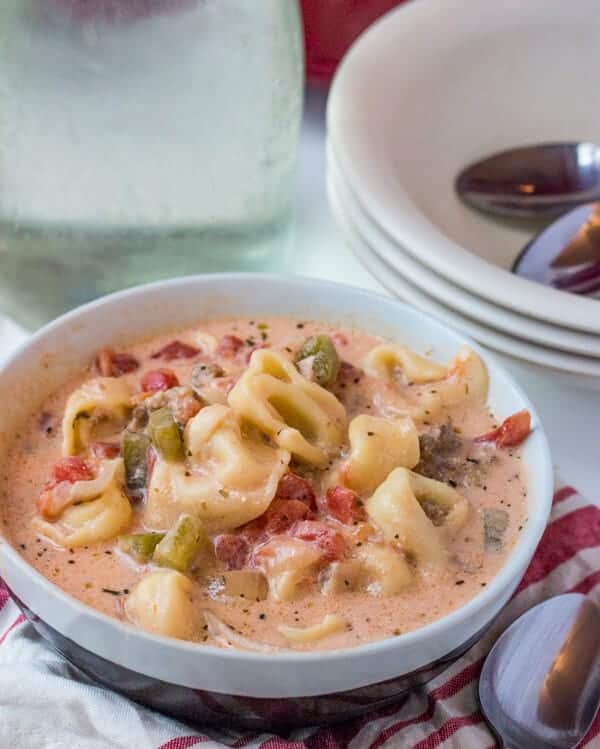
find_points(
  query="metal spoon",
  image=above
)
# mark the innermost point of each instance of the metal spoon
(536, 181)
(540, 684)
(566, 254)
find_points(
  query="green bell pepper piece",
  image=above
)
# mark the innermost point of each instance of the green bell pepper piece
(165, 435)
(181, 544)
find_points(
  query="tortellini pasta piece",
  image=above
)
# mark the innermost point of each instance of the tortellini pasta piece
(383, 360)
(378, 445)
(287, 563)
(331, 624)
(376, 569)
(386, 572)
(395, 508)
(101, 513)
(103, 399)
(230, 478)
(298, 415)
(342, 577)
(465, 379)
(466, 382)
(164, 603)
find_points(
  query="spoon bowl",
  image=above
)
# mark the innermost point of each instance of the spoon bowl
(534, 181)
(566, 254)
(540, 684)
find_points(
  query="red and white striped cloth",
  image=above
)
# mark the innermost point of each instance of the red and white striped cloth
(46, 704)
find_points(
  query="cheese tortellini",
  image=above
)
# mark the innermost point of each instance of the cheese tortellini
(231, 477)
(330, 625)
(464, 380)
(384, 360)
(377, 569)
(287, 563)
(102, 400)
(344, 576)
(467, 379)
(99, 510)
(396, 509)
(385, 571)
(378, 445)
(298, 415)
(164, 603)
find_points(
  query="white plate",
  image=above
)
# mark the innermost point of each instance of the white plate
(434, 86)
(455, 297)
(579, 370)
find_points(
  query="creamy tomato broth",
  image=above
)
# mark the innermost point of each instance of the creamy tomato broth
(269, 483)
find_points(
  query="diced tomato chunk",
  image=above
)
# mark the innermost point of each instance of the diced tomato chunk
(232, 549)
(254, 531)
(176, 350)
(71, 469)
(159, 379)
(55, 496)
(229, 345)
(344, 505)
(329, 541)
(105, 450)
(283, 513)
(110, 364)
(511, 432)
(184, 406)
(280, 516)
(292, 486)
(124, 363)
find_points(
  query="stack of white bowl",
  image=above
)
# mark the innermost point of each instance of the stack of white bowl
(427, 90)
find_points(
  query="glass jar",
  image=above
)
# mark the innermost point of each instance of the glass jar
(142, 139)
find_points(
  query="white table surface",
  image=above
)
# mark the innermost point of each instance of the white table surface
(571, 416)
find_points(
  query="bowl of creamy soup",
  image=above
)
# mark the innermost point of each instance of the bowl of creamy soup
(263, 499)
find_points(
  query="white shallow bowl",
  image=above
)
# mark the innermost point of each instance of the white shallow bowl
(435, 86)
(571, 369)
(456, 297)
(63, 347)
